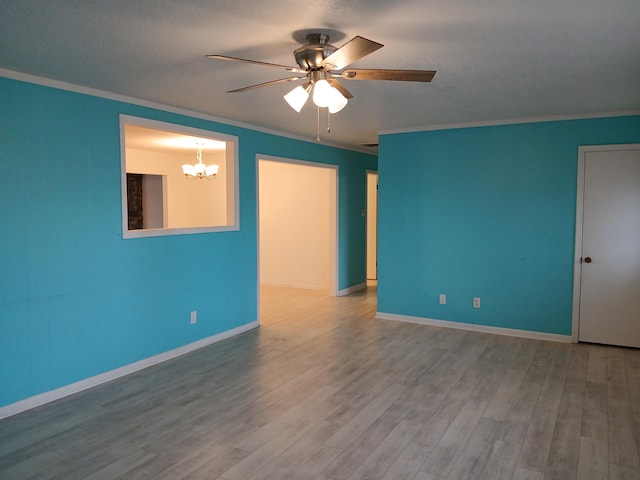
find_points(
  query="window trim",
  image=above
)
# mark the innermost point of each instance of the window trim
(185, 130)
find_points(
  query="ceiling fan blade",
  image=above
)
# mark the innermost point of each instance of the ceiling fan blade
(338, 86)
(389, 74)
(353, 50)
(255, 62)
(266, 84)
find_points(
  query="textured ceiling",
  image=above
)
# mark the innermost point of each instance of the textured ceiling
(496, 59)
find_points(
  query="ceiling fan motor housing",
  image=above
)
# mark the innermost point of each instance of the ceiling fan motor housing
(310, 56)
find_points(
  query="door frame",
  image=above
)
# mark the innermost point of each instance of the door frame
(577, 256)
(334, 264)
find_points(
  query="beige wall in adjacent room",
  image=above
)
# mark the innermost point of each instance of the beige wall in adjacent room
(295, 214)
(184, 196)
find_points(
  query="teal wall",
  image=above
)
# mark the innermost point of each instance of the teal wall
(485, 212)
(77, 300)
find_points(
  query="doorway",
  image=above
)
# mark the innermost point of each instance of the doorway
(297, 224)
(607, 268)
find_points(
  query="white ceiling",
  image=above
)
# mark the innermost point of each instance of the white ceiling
(496, 59)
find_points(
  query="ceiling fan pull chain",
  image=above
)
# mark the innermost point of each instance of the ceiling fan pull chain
(318, 126)
(328, 121)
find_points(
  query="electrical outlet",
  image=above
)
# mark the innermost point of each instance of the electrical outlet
(443, 299)
(476, 302)
(194, 317)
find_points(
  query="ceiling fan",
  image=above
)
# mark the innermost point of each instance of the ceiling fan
(321, 64)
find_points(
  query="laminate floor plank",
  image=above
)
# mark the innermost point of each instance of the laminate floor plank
(386, 453)
(594, 417)
(623, 442)
(313, 408)
(562, 462)
(472, 460)
(597, 367)
(501, 462)
(353, 454)
(441, 461)
(433, 419)
(616, 472)
(302, 456)
(408, 463)
(537, 443)
(593, 462)
(323, 390)
(506, 395)
(363, 419)
(526, 474)
(265, 454)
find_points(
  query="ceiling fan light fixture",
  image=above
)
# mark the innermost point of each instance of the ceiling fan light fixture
(322, 65)
(297, 97)
(327, 96)
(322, 93)
(337, 102)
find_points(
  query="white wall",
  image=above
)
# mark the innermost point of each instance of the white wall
(153, 201)
(184, 196)
(295, 224)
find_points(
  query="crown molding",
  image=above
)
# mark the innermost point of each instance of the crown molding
(511, 121)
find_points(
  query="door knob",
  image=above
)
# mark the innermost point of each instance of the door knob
(587, 259)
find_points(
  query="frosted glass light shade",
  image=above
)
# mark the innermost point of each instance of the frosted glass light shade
(337, 102)
(211, 170)
(322, 93)
(199, 170)
(297, 97)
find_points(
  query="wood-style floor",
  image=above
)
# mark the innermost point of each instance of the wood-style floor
(323, 391)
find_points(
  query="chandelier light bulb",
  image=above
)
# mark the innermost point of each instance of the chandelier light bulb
(322, 93)
(211, 170)
(337, 101)
(188, 170)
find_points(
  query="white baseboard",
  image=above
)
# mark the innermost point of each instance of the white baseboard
(355, 288)
(58, 393)
(510, 332)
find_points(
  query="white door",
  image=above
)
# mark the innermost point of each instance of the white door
(610, 266)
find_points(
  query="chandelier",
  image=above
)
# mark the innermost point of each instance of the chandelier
(199, 170)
